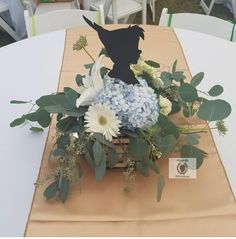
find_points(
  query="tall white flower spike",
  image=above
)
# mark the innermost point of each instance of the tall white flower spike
(91, 85)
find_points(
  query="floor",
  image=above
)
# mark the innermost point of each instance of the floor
(174, 6)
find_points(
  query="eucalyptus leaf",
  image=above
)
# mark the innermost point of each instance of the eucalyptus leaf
(79, 79)
(59, 152)
(153, 165)
(100, 169)
(167, 144)
(18, 102)
(17, 122)
(71, 95)
(138, 149)
(192, 139)
(44, 118)
(63, 141)
(129, 133)
(103, 52)
(166, 77)
(64, 189)
(36, 129)
(167, 126)
(98, 152)
(216, 90)
(189, 151)
(102, 140)
(47, 100)
(153, 64)
(174, 67)
(51, 190)
(112, 158)
(213, 110)
(196, 80)
(66, 124)
(142, 168)
(187, 92)
(160, 186)
(178, 76)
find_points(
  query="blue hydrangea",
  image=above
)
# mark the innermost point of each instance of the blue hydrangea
(135, 105)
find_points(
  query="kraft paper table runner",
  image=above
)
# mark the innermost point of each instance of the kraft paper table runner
(201, 207)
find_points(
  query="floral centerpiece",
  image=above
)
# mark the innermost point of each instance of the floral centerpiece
(115, 125)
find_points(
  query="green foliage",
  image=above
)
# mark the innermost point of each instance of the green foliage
(36, 129)
(197, 79)
(189, 151)
(216, 90)
(66, 124)
(17, 122)
(167, 126)
(160, 186)
(187, 92)
(64, 188)
(63, 141)
(112, 158)
(71, 95)
(79, 79)
(18, 102)
(138, 149)
(142, 168)
(153, 64)
(167, 144)
(192, 139)
(103, 52)
(98, 152)
(213, 110)
(51, 191)
(166, 77)
(99, 137)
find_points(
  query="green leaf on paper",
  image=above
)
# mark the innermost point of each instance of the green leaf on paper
(213, 110)
(100, 169)
(112, 158)
(138, 148)
(153, 64)
(216, 90)
(79, 79)
(71, 95)
(187, 92)
(51, 190)
(167, 144)
(18, 102)
(174, 67)
(142, 168)
(178, 76)
(99, 137)
(64, 189)
(189, 151)
(167, 126)
(17, 122)
(98, 152)
(192, 139)
(47, 100)
(153, 165)
(63, 141)
(36, 129)
(66, 124)
(166, 77)
(196, 80)
(160, 186)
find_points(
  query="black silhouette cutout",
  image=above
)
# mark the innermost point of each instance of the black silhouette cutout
(122, 47)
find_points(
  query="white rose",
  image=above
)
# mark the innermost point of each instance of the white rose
(165, 105)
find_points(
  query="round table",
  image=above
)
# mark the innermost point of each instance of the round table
(29, 71)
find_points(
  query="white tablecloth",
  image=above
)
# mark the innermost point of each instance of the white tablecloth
(15, 16)
(31, 68)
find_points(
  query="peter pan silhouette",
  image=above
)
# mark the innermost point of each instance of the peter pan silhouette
(122, 47)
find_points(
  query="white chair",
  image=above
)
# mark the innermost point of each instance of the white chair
(198, 22)
(207, 9)
(152, 4)
(120, 10)
(58, 20)
(5, 26)
(48, 7)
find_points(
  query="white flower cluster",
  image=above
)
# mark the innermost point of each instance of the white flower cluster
(135, 105)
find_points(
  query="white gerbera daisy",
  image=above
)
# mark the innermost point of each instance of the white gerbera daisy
(100, 119)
